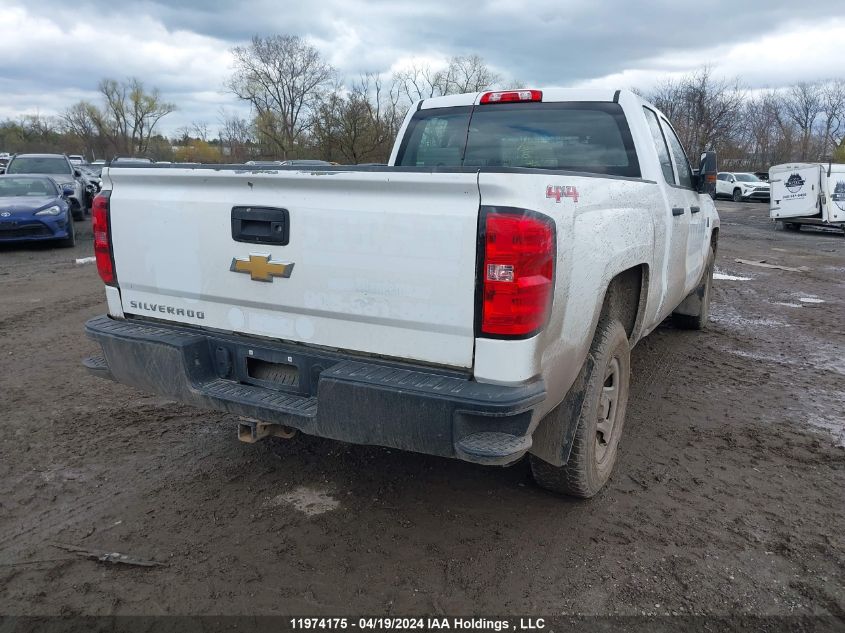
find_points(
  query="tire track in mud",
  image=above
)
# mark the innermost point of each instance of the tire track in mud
(68, 307)
(651, 356)
(116, 422)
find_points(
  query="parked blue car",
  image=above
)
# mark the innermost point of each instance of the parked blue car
(32, 208)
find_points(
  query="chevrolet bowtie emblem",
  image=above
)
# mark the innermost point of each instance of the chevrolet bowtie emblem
(260, 268)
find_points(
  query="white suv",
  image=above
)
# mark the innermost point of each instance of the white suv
(741, 186)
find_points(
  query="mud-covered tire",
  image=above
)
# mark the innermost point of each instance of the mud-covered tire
(704, 289)
(595, 445)
(737, 195)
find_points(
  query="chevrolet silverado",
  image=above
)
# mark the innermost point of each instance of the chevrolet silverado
(476, 298)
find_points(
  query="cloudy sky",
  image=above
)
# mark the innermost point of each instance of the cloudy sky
(53, 53)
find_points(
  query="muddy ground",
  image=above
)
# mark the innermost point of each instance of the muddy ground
(729, 496)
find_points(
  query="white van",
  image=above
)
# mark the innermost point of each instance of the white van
(808, 193)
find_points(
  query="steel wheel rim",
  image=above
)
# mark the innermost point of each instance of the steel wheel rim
(608, 409)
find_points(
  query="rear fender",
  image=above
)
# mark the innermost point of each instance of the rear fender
(624, 299)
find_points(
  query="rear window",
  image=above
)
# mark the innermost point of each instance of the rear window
(578, 136)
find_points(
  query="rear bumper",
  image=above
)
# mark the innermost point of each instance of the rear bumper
(337, 396)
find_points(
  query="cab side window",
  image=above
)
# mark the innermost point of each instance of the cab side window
(680, 157)
(660, 145)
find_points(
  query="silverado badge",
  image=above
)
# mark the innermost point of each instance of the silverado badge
(260, 268)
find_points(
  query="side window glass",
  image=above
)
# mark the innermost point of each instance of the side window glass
(681, 162)
(435, 138)
(660, 145)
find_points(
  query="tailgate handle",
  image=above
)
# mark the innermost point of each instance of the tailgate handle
(261, 225)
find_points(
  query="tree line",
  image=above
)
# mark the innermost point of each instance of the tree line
(301, 108)
(754, 129)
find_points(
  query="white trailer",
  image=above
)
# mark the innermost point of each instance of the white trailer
(808, 193)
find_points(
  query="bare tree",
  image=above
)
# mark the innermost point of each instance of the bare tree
(761, 139)
(358, 124)
(147, 109)
(418, 82)
(468, 74)
(129, 115)
(236, 136)
(126, 122)
(33, 133)
(833, 101)
(461, 74)
(283, 78)
(705, 111)
(80, 120)
(200, 130)
(803, 105)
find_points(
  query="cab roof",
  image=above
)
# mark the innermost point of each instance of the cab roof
(550, 95)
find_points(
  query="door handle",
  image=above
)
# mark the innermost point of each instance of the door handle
(260, 225)
(676, 211)
(694, 209)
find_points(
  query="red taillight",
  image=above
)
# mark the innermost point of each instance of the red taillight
(509, 96)
(102, 237)
(517, 273)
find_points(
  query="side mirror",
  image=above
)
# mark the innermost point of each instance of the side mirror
(77, 173)
(67, 192)
(707, 172)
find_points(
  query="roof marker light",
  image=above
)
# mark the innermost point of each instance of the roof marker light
(511, 96)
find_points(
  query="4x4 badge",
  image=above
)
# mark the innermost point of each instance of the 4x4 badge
(565, 191)
(260, 267)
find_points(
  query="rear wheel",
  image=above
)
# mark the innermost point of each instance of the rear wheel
(606, 374)
(737, 195)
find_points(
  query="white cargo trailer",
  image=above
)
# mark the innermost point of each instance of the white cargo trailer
(808, 193)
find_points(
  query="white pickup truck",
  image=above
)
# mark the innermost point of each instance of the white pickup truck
(478, 298)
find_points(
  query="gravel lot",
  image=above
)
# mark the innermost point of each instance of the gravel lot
(728, 497)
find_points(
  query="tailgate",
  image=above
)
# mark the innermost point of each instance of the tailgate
(795, 190)
(376, 262)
